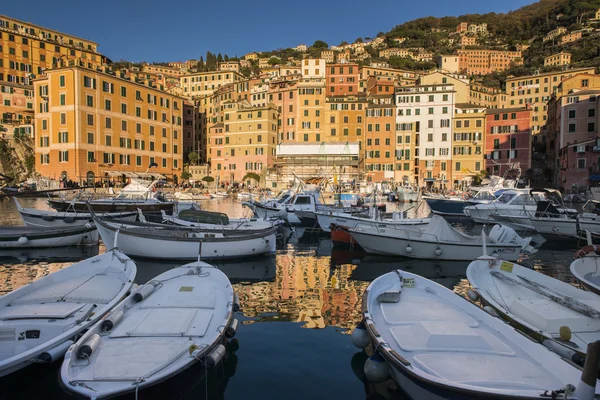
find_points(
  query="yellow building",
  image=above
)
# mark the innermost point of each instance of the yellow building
(344, 119)
(27, 49)
(92, 125)
(487, 97)
(311, 110)
(558, 59)
(244, 142)
(461, 83)
(379, 140)
(468, 141)
(202, 84)
(16, 109)
(405, 152)
(535, 91)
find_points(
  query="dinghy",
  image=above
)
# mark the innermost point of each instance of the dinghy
(29, 237)
(179, 318)
(184, 243)
(437, 345)
(56, 219)
(563, 317)
(586, 268)
(438, 240)
(39, 321)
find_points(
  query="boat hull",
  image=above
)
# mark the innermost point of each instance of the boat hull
(447, 206)
(51, 238)
(341, 236)
(146, 246)
(68, 220)
(516, 222)
(110, 206)
(563, 227)
(415, 248)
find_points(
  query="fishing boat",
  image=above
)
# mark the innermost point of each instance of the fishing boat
(371, 216)
(56, 219)
(439, 241)
(144, 195)
(216, 220)
(191, 196)
(454, 204)
(178, 319)
(30, 237)
(271, 207)
(219, 195)
(437, 345)
(586, 268)
(184, 243)
(566, 319)
(39, 321)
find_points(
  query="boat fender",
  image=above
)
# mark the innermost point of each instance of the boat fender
(48, 217)
(490, 310)
(55, 353)
(360, 336)
(23, 240)
(563, 351)
(473, 296)
(589, 249)
(86, 349)
(236, 303)
(408, 249)
(358, 365)
(143, 293)
(438, 252)
(232, 328)
(376, 368)
(112, 320)
(215, 356)
(69, 220)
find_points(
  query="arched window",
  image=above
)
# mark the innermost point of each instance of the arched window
(90, 178)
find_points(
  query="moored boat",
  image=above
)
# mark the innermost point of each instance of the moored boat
(30, 237)
(437, 345)
(39, 321)
(181, 317)
(556, 313)
(586, 268)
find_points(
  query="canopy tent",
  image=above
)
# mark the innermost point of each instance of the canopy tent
(135, 175)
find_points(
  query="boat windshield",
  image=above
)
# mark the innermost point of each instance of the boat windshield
(522, 199)
(506, 197)
(484, 195)
(284, 199)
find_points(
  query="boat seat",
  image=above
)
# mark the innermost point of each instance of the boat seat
(549, 316)
(57, 310)
(138, 357)
(490, 371)
(165, 322)
(415, 307)
(448, 336)
(100, 289)
(183, 296)
(53, 292)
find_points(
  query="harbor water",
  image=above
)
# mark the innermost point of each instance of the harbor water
(297, 310)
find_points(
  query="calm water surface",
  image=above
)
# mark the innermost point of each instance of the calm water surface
(297, 310)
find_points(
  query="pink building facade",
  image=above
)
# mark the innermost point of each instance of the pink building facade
(507, 140)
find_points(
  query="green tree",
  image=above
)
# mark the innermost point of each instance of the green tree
(208, 179)
(274, 61)
(319, 44)
(193, 158)
(185, 175)
(251, 175)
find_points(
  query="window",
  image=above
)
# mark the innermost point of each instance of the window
(63, 118)
(591, 113)
(90, 138)
(443, 165)
(44, 141)
(63, 156)
(123, 91)
(306, 137)
(63, 99)
(430, 123)
(591, 127)
(123, 108)
(107, 105)
(444, 110)
(108, 140)
(496, 144)
(572, 113)
(430, 137)
(430, 110)
(63, 137)
(581, 163)
(444, 137)
(89, 101)
(91, 157)
(61, 81)
(124, 125)
(572, 128)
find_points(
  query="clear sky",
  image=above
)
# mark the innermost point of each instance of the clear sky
(159, 30)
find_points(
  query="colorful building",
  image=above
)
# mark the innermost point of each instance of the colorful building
(485, 61)
(507, 140)
(342, 79)
(468, 142)
(379, 141)
(558, 59)
(92, 125)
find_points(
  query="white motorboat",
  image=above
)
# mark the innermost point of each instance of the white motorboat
(30, 237)
(39, 321)
(438, 240)
(437, 345)
(219, 195)
(586, 268)
(138, 194)
(271, 207)
(184, 243)
(512, 202)
(191, 196)
(217, 221)
(562, 316)
(179, 318)
(454, 204)
(350, 220)
(57, 219)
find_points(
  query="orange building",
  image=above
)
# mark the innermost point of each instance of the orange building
(91, 125)
(380, 137)
(342, 79)
(483, 61)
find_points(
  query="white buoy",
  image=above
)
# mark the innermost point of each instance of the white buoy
(490, 310)
(215, 356)
(473, 296)
(360, 337)
(562, 351)
(86, 349)
(55, 353)
(143, 292)
(231, 329)
(438, 252)
(376, 368)
(23, 240)
(111, 320)
(408, 249)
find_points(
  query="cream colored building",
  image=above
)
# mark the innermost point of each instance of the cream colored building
(448, 63)
(251, 56)
(394, 52)
(205, 83)
(328, 56)
(229, 66)
(313, 68)
(561, 30)
(468, 142)
(558, 59)
(461, 84)
(571, 37)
